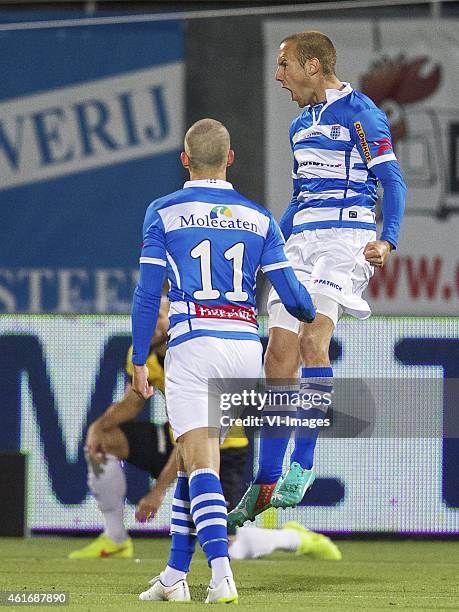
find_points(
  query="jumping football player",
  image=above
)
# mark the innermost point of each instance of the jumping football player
(341, 145)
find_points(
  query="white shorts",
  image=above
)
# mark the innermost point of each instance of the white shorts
(330, 263)
(190, 365)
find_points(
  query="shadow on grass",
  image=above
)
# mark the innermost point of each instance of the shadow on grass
(296, 584)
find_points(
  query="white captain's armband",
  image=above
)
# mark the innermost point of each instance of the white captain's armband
(276, 266)
(153, 260)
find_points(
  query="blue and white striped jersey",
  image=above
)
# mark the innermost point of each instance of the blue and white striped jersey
(212, 241)
(336, 146)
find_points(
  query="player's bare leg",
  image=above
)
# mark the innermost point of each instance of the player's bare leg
(282, 358)
(314, 341)
(200, 449)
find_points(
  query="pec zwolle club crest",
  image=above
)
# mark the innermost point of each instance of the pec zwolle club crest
(335, 132)
(220, 211)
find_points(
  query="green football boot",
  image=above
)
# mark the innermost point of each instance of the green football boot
(256, 500)
(103, 547)
(290, 489)
(314, 544)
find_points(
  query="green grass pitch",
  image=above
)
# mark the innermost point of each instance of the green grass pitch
(373, 575)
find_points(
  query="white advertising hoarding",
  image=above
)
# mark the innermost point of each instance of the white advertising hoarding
(63, 371)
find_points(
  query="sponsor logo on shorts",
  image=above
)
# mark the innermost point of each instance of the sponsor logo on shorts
(328, 283)
(352, 214)
(363, 140)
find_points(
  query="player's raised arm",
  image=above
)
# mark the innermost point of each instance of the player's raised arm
(278, 269)
(372, 135)
(147, 299)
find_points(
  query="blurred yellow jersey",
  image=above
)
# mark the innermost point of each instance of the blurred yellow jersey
(236, 437)
(155, 369)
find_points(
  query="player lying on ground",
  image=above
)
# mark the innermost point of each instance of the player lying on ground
(341, 147)
(211, 240)
(255, 542)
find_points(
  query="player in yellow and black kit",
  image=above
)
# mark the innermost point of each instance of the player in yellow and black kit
(116, 436)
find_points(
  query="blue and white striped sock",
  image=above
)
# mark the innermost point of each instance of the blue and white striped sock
(183, 533)
(208, 509)
(317, 382)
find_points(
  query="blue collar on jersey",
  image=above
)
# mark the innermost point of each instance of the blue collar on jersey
(213, 183)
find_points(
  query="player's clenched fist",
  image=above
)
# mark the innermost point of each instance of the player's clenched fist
(376, 252)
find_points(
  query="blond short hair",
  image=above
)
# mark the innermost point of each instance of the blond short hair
(314, 44)
(207, 143)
